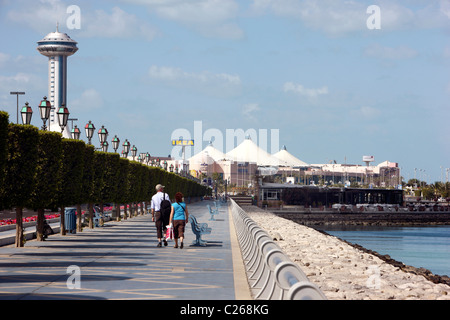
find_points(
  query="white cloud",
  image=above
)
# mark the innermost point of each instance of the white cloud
(366, 112)
(118, 24)
(24, 81)
(39, 15)
(339, 17)
(446, 53)
(212, 84)
(89, 99)
(248, 110)
(211, 18)
(4, 58)
(380, 52)
(445, 8)
(177, 74)
(43, 15)
(329, 16)
(301, 90)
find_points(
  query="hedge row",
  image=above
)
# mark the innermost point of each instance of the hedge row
(40, 169)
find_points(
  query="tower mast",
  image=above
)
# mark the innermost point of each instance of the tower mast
(57, 46)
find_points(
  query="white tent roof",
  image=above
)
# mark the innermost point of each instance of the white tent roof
(208, 155)
(248, 151)
(288, 159)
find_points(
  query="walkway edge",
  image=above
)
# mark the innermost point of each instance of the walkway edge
(241, 287)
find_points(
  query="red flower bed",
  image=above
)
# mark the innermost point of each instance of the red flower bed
(48, 216)
(27, 219)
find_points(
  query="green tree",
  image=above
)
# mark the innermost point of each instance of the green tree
(111, 166)
(48, 180)
(20, 173)
(4, 121)
(72, 176)
(122, 186)
(111, 177)
(88, 189)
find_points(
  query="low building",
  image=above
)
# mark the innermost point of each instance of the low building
(275, 194)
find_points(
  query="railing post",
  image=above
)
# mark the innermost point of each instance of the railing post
(271, 274)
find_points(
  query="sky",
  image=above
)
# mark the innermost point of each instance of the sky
(331, 80)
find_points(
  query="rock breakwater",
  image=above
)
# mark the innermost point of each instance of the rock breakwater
(343, 271)
(367, 219)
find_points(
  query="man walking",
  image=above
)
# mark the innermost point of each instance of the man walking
(157, 214)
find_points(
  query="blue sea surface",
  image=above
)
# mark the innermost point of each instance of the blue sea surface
(427, 247)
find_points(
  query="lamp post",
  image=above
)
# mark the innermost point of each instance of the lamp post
(171, 167)
(72, 120)
(147, 157)
(44, 109)
(165, 165)
(63, 116)
(133, 151)
(89, 128)
(115, 142)
(26, 112)
(75, 133)
(105, 145)
(17, 93)
(102, 135)
(126, 147)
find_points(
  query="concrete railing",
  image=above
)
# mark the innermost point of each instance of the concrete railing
(270, 272)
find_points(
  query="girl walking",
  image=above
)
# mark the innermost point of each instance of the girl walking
(178, 218)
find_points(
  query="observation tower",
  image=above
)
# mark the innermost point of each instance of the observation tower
(57, 47)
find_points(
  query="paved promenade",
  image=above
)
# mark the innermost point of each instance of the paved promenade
(121, 261)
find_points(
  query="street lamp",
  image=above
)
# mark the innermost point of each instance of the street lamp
(75, 133)
(126, 147)
(44, 109)
(115, 142)
(147, 156)
(133, 151)
(17, 94)
(63, 116)
(26, 112)
(142, 157)
(105, 145)
(102, 134)
(165, 165)
(89, 128)
(171, 167)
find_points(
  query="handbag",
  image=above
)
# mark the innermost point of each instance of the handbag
(169, 232)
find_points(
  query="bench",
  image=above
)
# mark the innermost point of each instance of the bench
(199, 229)
(212, 212)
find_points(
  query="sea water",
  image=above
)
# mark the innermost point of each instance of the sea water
(427, 247)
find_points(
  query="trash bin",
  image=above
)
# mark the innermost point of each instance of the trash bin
(70, 220)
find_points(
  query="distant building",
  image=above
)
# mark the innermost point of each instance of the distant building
(57, 47)
(273, 194)
(247, 161)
